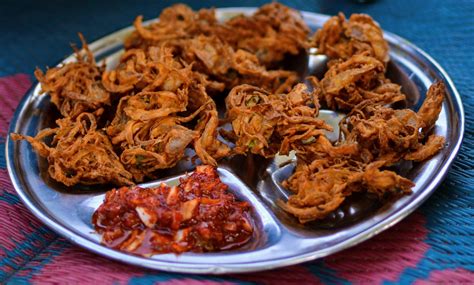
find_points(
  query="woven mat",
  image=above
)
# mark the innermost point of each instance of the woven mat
(433, 245)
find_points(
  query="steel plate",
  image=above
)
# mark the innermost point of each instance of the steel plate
(280, 240)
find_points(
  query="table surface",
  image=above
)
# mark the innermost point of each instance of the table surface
(435, 244)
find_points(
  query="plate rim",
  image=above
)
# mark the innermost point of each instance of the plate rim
(215, 268)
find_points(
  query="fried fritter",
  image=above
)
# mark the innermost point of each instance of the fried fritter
(374, 136)
(156, 139)
(322, 186)
(340, 38)
(156, 144)
(79, 153)
(147, 126)
(150, 70)
(227, 53)
(175, 23)
(218, 60)
(387, 134)
(271, 33)
(350, 82)
(208, 148)
(75, 87)
(264, 123)
(431, 107)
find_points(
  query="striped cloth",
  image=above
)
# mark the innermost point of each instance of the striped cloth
(433, 245)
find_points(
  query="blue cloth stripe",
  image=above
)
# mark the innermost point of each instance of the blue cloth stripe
(23, 251)
(35, 265)
(3, 163)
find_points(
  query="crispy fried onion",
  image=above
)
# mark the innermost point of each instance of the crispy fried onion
(164, 109)
(79, 153)
(158, 139)
(220, 62)
(321, 186)
(155, 69)
(361, 77)
(340, 38)
(75, 87)
(229, 53)
(374, 136)
(271, 33)
(265, 124)
(208, 148)
(148, 127)
(175, 23)
(383, 133)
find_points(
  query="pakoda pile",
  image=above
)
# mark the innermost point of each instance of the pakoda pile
(158, 106)
(373, 135)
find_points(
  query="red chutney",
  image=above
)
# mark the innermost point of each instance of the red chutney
(199, 215)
